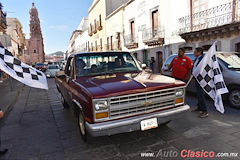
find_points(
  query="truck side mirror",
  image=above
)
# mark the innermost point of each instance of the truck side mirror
(61, 74)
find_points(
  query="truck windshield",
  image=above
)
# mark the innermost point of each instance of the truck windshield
(105, 63)
(230, 60)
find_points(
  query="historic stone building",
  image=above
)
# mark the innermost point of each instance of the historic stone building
(209, 21)
(35, 47)
(14, 29)
(5, 39)
(3, 24)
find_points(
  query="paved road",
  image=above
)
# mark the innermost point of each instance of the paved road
(38, 127)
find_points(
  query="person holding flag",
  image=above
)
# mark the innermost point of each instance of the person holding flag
(202, 107)
(208, 75)
(2, 151)
(21, 72)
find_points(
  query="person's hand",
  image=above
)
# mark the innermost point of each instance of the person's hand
(1, 114)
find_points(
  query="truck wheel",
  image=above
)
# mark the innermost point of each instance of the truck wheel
(234, 97)
(65, 105)
(82, 128)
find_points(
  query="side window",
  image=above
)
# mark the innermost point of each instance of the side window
(68, 66)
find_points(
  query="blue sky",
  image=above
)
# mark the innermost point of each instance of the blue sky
(59, 18)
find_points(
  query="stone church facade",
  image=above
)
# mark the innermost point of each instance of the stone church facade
(35, 46)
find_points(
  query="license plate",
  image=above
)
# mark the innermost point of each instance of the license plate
(149, 123)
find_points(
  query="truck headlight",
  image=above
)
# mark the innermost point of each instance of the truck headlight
(101, 105)
(179, 92)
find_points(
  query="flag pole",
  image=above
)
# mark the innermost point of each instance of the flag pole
(189, 81)
(10, 82)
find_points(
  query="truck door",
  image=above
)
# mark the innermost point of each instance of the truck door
(65, 84)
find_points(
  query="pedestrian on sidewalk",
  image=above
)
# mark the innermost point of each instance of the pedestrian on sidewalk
(202, 107)
(152, 62)
(2, 151)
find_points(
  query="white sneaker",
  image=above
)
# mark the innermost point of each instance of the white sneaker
(1, 81)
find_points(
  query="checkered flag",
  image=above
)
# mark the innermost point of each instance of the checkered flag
(210, 78)
(21, 71)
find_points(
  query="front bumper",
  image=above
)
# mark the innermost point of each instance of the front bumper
(133, 123)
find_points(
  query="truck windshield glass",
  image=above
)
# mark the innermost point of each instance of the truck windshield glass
(105, 63)
(230, 60)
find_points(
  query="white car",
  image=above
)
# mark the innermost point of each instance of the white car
(51, 70)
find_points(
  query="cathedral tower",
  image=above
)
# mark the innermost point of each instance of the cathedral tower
(35, 45)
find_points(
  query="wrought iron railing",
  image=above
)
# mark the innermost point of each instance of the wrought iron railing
(131, 39)
(153, 33)
(213, 17)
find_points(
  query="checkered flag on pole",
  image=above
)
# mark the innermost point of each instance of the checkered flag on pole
(21, 71)
(210, 78)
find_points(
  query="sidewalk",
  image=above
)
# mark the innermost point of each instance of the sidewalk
(9, 94)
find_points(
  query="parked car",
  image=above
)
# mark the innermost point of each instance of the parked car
(230, 66)
(40, 66)
(110, 93)
(52, 70)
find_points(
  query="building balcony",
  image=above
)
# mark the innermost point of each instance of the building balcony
(94, 29)
(215, 22)
(99, 26)
(90, 30)
(131, 41)
(90, 34)
(154, 36)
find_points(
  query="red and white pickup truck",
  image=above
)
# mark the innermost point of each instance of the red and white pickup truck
(110, 94)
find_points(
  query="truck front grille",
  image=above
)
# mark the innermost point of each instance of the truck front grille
(129, 105)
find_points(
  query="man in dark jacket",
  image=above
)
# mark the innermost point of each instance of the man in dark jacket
(4, 150)
(202, 108)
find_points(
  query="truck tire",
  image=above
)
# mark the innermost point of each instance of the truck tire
(234, 97)
(82, 128)
(65, 105)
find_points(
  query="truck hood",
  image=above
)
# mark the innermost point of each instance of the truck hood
(128, 83)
